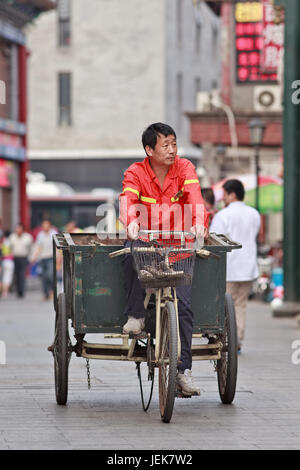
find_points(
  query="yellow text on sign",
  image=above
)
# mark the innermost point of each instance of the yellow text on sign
(248, 12)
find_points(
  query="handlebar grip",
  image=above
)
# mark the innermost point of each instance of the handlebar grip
(114, 254)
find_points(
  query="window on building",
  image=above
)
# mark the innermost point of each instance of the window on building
(215, 35)
(197, 89)
(179, 100)
(198, 37)
(6, 78)
(64, 99)
(64, 22)
(179, 22)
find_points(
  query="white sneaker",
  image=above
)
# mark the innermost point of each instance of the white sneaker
(185, 383)
(134, 326)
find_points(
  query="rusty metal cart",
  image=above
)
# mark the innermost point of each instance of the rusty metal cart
(93, 301)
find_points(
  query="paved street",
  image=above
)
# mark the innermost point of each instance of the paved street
(265, 413)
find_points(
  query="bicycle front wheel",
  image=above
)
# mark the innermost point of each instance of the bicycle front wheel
(167, 361)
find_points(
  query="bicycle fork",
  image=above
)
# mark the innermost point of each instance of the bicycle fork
(163, 295)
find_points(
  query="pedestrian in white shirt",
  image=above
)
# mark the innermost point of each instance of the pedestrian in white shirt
(241, 223)
(43, 252)
(20, 243)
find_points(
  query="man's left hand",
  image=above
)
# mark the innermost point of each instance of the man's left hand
(200, 231)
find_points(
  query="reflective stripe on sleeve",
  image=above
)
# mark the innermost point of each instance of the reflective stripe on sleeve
(135, 191)
(191, 181)
(148, 199)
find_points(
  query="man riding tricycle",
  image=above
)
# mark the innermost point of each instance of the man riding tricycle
(158, 288)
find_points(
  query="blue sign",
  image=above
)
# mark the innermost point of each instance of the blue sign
(12, 127)
(11, 33)
(12, 153)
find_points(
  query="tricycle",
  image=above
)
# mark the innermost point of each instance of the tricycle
(94, 298)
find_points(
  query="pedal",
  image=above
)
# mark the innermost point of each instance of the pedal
(180, 395)
(141, 335)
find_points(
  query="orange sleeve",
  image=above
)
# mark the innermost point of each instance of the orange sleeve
(193, 196)
(129, 197)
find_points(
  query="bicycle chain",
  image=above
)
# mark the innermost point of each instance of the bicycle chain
(88, 373)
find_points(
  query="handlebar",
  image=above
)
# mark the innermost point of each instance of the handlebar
(152, 233)
(181, 234)
(201, 253)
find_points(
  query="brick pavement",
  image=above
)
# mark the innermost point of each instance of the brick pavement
(265, 413)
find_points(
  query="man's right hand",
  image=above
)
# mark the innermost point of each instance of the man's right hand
(133, 230)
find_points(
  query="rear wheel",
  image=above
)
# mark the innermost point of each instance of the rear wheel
(167, 361)
(227, 364)
(62, 350)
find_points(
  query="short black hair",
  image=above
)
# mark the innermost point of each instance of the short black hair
(208, 195)
(150, 134)
(236, 187)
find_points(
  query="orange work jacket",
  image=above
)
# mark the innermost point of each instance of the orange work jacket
(177, 206)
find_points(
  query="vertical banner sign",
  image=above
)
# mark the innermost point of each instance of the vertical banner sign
(258, 42)
(273, 37)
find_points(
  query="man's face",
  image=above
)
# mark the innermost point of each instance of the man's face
(165, 150)
(228, 198)
(208, 206)
(70, 227)
(46, 226)
(19, 230)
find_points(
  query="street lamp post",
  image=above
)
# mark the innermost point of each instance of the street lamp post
(257, 128)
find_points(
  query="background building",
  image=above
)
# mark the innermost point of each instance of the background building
(14, 15)
(251, 87)
(100, 72)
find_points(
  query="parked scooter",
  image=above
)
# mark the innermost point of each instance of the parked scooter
(263, 285)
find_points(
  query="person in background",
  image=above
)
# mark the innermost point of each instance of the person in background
(209, 202)
(1, 241)
(7, 266)
(20, 243)
(241, 223)
(71, 227)
(43, 252)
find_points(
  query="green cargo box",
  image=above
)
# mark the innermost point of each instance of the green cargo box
(95, 294)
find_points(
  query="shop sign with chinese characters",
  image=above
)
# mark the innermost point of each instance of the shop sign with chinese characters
(259, 42)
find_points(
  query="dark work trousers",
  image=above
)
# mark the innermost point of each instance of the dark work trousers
(135, 308)
(21, 263)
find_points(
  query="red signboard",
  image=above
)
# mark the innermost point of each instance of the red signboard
(5, 173)
(259, 42)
